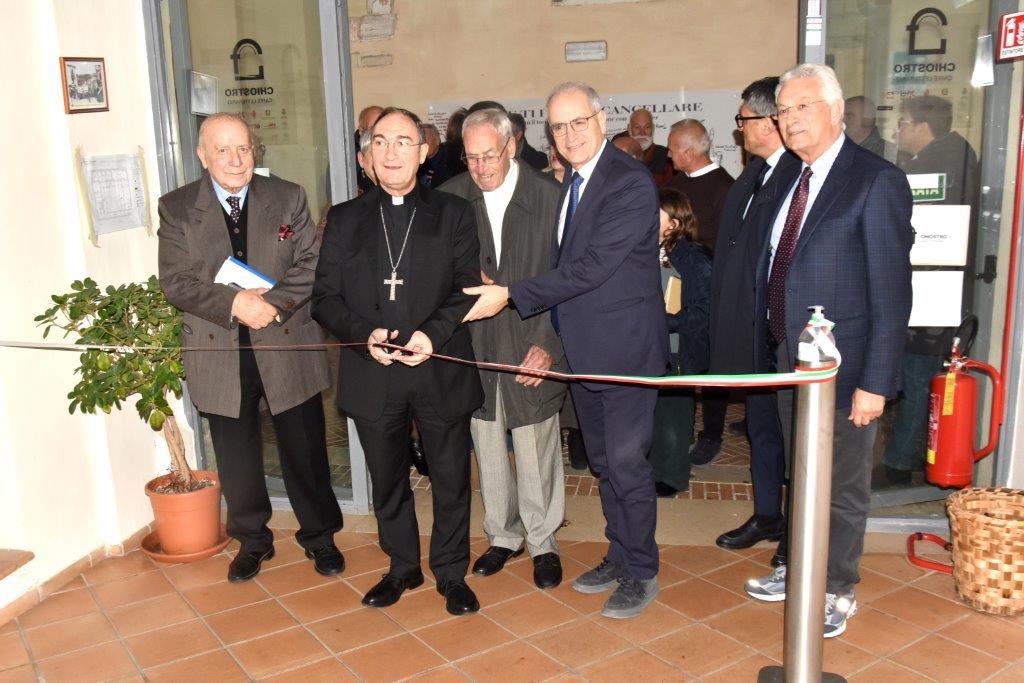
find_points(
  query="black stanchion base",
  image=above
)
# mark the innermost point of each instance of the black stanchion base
(776, 674)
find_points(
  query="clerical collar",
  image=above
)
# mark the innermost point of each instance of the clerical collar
(399, 199)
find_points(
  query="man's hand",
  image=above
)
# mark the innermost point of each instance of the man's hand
(419, 346)
(251, 310)
(492, 299)
(379, 336)
(485, 278)
(536, 359)
(866, 407)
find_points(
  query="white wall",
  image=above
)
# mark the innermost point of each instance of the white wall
(70, 484)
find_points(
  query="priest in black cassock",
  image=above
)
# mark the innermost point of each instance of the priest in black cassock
(392, 268)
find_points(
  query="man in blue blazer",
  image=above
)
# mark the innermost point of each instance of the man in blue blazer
(604, 293)
(841, 238)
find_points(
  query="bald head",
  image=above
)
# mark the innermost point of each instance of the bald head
(368, 117)
(689, 145)
(630, 146)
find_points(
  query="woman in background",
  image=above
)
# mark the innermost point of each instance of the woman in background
(683, 257)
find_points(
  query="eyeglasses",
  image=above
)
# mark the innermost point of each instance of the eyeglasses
(904, 122)
(403, 144)
(786, 112)
(740, 119)
(489, 159)
(579, 125)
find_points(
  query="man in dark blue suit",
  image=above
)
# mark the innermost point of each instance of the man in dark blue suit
(840, 238)
(604, 293)
(749, 206)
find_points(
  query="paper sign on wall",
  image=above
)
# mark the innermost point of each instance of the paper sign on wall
(941, 233)
(937, 298)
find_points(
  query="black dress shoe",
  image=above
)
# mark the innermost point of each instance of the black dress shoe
(389, 589)
(664, 490)
(247, 564)
(751, 531)
(705, 451)
(547, 570)
(419, 458)
(492, 561)
(327, 560)
(739, 427)
(779, 558)
(577, 449)
(459, 598)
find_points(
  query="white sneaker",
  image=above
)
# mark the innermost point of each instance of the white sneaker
(838, 608)
(771, 588)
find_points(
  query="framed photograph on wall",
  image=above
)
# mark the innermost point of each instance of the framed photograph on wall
(85, 84)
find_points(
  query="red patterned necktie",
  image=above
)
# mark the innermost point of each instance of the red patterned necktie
(784, 256)
(236, 209)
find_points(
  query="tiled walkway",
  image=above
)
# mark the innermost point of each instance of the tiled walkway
(130, 619)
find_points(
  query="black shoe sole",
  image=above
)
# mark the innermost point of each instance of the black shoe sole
(259, 565)
(333, 572)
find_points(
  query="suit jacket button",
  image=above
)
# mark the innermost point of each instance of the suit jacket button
(376, 307)
(488, 259)
(211, 335)
(286, 330)
(290, 303)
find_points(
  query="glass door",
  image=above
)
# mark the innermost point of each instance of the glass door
(279, 64)
(922, 92)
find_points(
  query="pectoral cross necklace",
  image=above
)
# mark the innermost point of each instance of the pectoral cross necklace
(394, 281)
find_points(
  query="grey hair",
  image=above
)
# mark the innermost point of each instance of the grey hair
(576, 86)
(223, 116)
(698, 135)
(366, 140)
(831, 91)
(759, 96)
(495, 118)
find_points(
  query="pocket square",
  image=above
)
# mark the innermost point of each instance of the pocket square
(284, 232)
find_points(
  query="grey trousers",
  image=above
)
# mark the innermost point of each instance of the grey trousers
(528, 503)
(852, 451)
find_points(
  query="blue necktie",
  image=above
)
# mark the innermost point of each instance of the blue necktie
(574, 200)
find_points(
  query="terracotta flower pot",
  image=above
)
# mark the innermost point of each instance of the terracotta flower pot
(186, 523)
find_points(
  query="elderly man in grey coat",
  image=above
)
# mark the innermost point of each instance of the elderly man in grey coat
(263, 223)
(516, 208)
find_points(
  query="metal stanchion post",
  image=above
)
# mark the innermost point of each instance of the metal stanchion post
(811, 489)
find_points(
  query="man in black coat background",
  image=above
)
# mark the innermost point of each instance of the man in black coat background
(745, 216)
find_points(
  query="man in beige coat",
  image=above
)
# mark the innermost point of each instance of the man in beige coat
(265, 224)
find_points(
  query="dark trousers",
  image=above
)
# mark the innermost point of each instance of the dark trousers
(302, 449)
(906, 447)
(713, 403)
(446, 443)
(673, 433)
(617, 424)
(767, 455)
(852, 449)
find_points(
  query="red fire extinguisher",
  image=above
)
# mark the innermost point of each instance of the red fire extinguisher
(954, 396)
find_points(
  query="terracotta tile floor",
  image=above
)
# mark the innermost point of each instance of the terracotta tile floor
(133, 619)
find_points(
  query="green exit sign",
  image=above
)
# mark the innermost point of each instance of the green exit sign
(927, 187)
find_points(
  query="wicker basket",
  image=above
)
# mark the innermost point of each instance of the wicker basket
(988, 548)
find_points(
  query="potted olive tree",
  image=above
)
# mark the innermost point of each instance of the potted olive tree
(139, 335)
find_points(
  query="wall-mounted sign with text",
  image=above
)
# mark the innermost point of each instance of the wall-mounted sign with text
(1011, 36)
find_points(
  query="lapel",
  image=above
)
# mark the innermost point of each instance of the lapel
(484, 231)
(520, 208)
(779, 183)
(595, 184)
(556, 247)
(261, 229)
(838, 178)
(207, 216)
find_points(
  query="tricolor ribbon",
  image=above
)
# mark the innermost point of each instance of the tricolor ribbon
(777, 379)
